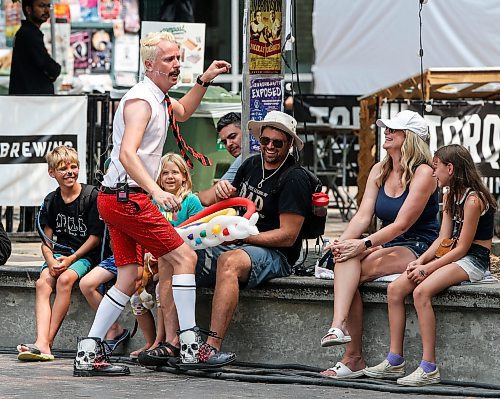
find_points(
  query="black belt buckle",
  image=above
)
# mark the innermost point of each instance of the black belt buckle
(122, 192)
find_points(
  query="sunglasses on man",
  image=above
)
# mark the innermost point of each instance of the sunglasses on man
(276, 143)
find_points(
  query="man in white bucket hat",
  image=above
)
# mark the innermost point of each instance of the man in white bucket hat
(282, 205)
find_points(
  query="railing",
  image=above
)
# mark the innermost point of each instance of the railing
(19, 222)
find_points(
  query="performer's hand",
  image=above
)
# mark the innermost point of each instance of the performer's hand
(224, 189)
(167, 201)
(215, 69)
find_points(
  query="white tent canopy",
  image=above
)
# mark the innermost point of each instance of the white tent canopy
(364, 45)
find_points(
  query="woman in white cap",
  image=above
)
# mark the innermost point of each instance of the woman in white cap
(401, 192)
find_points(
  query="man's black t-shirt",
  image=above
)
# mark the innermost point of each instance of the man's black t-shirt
(72, 225)
(33, 71)
(294, 197)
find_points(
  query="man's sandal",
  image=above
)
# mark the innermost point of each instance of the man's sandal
(163, 355)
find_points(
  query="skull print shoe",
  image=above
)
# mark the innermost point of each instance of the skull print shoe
(196, 354)
(92, 360)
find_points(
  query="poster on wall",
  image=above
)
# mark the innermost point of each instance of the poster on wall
(24, 143)
(126, 60)
(80, 46)
(64, 53)
(12, 20)
(265, 37)
(110, 9)
(191, 40)
(266, 94)
(89, 11)
(101, 51)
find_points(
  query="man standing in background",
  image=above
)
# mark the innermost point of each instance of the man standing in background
(33, 71)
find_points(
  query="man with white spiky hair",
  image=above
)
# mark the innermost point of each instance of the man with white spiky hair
(139, 133)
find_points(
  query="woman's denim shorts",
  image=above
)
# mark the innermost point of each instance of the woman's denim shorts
(415, 245)
(476, 262)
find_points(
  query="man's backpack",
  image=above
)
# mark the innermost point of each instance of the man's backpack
(314, 226)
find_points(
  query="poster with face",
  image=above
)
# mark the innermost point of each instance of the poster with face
(80, 46)
(101, 51)
(265, 36)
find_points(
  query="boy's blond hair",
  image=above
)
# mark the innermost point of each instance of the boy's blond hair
(149, 43)
(62, 155)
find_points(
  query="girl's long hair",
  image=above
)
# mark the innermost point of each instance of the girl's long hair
(176, 159)
(465, 175)
(414, 152)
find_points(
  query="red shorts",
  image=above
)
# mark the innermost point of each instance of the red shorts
(135, 224)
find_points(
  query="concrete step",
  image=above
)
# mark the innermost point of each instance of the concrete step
(284, 320)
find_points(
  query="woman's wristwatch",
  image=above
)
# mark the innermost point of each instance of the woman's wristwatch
(368, 243)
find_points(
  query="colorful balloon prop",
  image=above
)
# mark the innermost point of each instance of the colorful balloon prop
(209, 228)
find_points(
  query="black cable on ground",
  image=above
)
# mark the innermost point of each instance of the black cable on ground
(307, 375)
(359, 383)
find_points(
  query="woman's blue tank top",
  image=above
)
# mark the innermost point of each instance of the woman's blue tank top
(426, 228)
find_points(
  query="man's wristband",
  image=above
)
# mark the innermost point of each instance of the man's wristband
(202, 83)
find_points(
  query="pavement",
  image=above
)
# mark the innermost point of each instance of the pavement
(54, 380)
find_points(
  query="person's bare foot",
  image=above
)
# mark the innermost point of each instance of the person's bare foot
(115, 331)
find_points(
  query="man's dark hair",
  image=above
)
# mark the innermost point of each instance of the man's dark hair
(231, 118)
(26, 3)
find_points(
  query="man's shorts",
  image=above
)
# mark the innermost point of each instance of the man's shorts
(266, 264)
(136, 225)
(81, 266)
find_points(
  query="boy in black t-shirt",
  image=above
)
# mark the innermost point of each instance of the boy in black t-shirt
(70, 213)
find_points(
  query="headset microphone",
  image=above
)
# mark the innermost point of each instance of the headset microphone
(161, 73)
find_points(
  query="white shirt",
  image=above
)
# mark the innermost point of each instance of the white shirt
(151, 149)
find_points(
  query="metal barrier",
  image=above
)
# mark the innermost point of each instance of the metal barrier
(19, 222)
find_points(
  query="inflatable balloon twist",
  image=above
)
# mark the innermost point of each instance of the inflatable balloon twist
(218, 223)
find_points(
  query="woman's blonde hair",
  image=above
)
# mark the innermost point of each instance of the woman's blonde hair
(61, 155)
(414, 152)
(177, 160)
(149, 44)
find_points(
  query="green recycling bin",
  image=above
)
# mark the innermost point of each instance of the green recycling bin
(200, 132)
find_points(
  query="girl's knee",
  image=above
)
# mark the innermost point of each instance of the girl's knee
(421, 296)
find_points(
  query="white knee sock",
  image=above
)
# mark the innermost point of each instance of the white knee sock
(184, 290)
(108, 312)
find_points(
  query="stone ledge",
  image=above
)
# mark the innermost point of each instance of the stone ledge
(480, 296)
(283, 321)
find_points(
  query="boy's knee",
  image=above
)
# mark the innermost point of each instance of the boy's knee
(66, 281)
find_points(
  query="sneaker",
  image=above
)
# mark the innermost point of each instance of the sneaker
(386, 370)
(419, 378)
(92, 360)
(196, 354)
